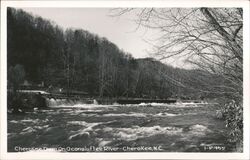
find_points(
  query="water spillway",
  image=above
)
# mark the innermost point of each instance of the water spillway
(53, 102)
(138, 101)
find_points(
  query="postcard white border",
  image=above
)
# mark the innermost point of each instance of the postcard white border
(245, 4)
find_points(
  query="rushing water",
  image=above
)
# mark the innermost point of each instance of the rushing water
(180, 127)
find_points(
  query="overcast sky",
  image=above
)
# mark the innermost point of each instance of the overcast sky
(119, 30)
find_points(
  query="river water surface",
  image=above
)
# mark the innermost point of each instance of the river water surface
(180, 127)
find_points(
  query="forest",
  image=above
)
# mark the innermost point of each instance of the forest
(78, 60)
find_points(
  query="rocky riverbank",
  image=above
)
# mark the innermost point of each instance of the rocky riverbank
(21, 102)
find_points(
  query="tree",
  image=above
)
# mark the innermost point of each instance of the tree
(16, 76)
(208, 38)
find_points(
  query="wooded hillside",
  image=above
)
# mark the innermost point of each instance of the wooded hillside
(79, 60)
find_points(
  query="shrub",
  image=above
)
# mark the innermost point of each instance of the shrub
(233, 114)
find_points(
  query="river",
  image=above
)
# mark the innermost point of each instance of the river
(179, 127)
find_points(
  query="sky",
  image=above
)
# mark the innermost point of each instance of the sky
(120, 30)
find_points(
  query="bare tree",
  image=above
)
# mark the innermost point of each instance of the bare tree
(208, 38)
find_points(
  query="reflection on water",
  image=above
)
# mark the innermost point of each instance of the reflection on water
(174, 127)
